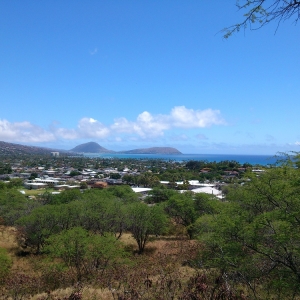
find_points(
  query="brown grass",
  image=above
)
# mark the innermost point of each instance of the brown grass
(162, 260)
(88, 293)
(8, 237)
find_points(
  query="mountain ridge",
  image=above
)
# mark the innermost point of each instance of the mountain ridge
(90, 147)
(93, 147)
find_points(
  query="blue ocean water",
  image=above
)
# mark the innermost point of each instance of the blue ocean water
(262, 160)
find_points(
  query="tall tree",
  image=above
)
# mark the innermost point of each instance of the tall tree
(182, 209)
(256, 234)
(144, 220)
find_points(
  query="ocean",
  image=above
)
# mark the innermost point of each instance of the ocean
(262, 160)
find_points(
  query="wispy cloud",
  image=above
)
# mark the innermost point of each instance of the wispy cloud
(146, 126)
(93, 52)
(270, 138)
(201, 136)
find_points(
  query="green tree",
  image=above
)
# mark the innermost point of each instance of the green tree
(159, 194)
(256, 234)
(5, 168)
(129, 179)
(182, 209)
(144, 220)
(36, 227)
(14, 205)
(66, 196)
(114, 176)
(84, 252)
(15, 183)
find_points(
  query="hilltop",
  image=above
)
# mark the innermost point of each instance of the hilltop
(153, 150)
(91, 147)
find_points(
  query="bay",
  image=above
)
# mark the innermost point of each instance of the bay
(262, 160)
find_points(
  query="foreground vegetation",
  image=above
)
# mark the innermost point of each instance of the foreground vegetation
(108, 244)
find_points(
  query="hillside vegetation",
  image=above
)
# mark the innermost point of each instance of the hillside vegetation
(108, 244)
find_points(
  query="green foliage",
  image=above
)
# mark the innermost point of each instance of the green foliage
(124, 193)
(159, 194)
(36, 227)
(84, 252)
(129, 179)
(182, 209)
(13, 205)
(143, 220)
(5, 264)
(5, 168)
(15, 183)
(114, 176)
(74, 173)
(2, 185)
(66, 196)
(256, 234)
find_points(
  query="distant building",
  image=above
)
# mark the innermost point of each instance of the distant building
(55, 154)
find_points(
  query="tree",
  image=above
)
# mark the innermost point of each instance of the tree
(114, 176)
(182, 209)
(144, 220)
(84, 252)
(14, 205)
(148, 180)
(66, 196)
(15, 182)
(129, 179)
(159, 194)
(256, 234)
(5, 168)
(261, 12)
(36, 227)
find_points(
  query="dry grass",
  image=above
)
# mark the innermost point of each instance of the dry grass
(88, 293)
(8, 241)
(8, 237)
(162, 259)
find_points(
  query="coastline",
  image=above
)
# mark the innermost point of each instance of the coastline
(263, 160)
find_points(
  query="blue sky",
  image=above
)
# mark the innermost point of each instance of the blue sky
(134, 74)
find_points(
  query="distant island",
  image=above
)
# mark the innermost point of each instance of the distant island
(93, 147)
(90, 147)
(153, 150)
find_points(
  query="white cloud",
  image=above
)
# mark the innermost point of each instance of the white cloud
(189, 118)
(146, 126)
(23, 132)
(297, 143)
(89, 127)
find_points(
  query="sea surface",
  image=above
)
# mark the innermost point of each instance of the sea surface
(262, 160)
